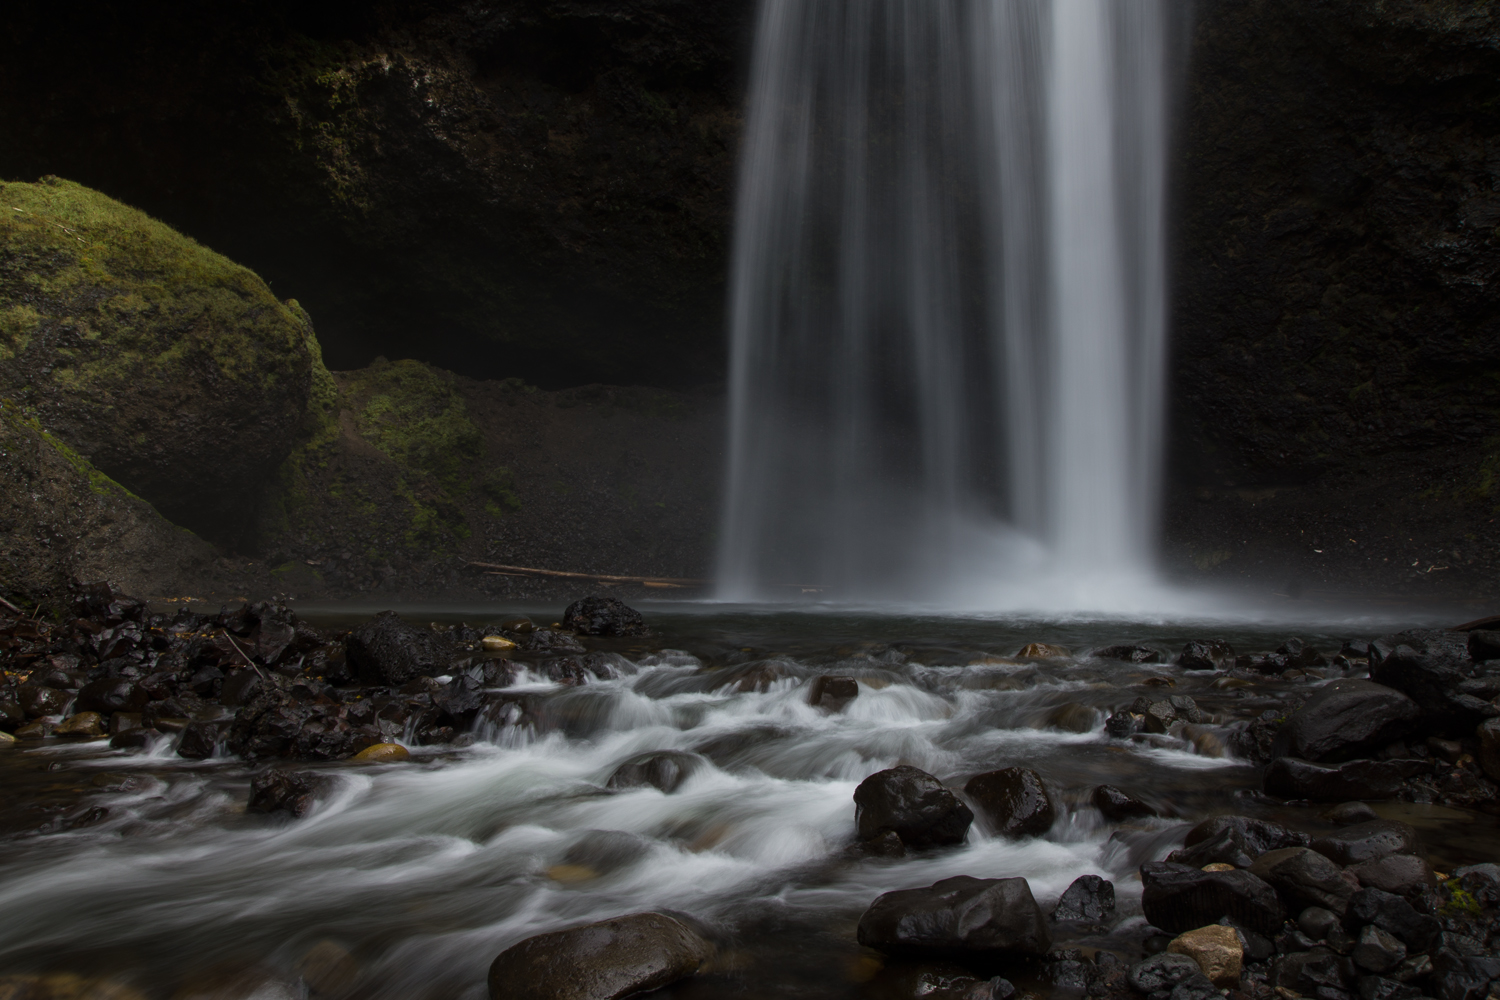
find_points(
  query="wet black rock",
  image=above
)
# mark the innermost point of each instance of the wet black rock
(1198, 987)
(665, 770)
(1457, 976)
(1380, 988)
(198, 741)
(37, 701)
(1347, 719)
(138, 738)
(1161, 972)
(1348, 813)
(291, 792)
(1090, 899)
(833, 692)
(1404, 874)
(1210, 654)
(1391, 913)
(1351, 845)
(1289, 778)
(1481, 881)
(1235, 840)
(1118, 805)
(1484, 645)
(1316, 921)
(601, 961)
(1128, 653)
(1123, 725)
(544, 640)
(1377, 950)
(1299, 654)
(1179, 898)
(913, 804)
(1317, 973)
(390, 650)
(1430, 666)
(109, 695)
(1302, 878)
(598, 615)
(983, 920)
(1015, 801)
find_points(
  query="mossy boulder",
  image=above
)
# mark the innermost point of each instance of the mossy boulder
(173, 369)
(61, 519)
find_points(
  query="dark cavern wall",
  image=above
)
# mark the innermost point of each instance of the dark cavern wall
(541, 190)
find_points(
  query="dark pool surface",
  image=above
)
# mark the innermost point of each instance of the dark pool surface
(410, 878)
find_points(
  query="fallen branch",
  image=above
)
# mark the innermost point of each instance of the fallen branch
(659, 581)
(11, 606)
(248, 662)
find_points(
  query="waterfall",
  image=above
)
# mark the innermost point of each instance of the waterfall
(947, 299)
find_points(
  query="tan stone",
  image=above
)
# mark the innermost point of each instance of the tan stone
(1218, 866)
(1217, 951)
(328, 967)
(82, 724)
(383, 753)
(7, 740)
(1042, 650)
(496, 643)
(35, 730)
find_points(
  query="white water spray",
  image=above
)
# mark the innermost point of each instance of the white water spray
(948, 299)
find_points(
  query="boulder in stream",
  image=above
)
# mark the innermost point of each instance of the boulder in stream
(913, 804)
(607, 960)
(664, 770)
(1015, 800)
(1180, 898)
(1347, 719)
(1234, 840)
(976, 919)
(1118, 805)
(832, 692)
(1206, 654)
(597, 615)
(390, 650)
(1089, 899)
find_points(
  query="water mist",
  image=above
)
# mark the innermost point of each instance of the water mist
(948, 302)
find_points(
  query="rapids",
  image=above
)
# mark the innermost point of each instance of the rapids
(147, 869)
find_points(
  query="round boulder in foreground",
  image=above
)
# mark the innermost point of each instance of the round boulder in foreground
(603, 961)
(912, 804)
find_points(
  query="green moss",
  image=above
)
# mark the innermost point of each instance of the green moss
(417, 418)
(97, 481)
(1461, 902)
(68, 244)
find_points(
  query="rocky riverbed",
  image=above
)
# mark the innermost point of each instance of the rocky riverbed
(257, 802)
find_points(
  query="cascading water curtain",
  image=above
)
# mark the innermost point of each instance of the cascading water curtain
(947, 297)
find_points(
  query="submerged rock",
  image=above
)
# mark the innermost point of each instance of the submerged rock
(833, 692)
(1211, 654)
(664, 770)
(964, 918)
(1072, 717)
(912, 804)
(293, 792)
(608, 616)
(1128, 653)
(607, 960)
(1118, 805)
(1015, 800)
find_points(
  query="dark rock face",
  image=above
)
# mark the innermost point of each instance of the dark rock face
(479, 173)
(1090, 898)
(602, 961)
(1431, 667)
(1304, 878)
(1404, 874)
(1179, 898)
(965, 918)
(1118, 805)
(1289, 778)
(389, 650)
(912, 804)
(1333, 307)
(1234, 840)
(1347, 719)
(665, 770)
(1351, 845)
(604, 616)
(1128, 653)
(1015, 801)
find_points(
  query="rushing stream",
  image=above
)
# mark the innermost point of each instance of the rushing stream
(408, 879)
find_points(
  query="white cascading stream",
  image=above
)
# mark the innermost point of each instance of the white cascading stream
(948, 302)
